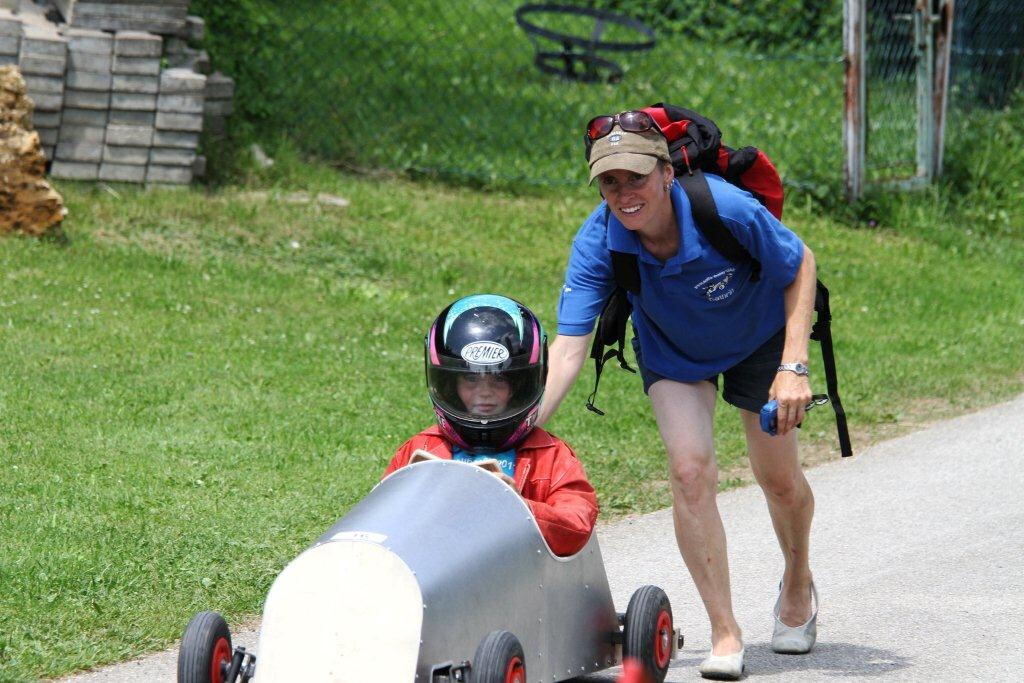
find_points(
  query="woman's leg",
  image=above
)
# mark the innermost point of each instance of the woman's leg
(685, 416)
(791, 505)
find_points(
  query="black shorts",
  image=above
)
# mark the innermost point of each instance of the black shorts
(746, 383)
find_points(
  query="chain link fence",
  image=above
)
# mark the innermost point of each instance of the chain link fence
(987, 67)
(455, 88)
(988, 53)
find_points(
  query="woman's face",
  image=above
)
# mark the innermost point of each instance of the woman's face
(484, 394)
(638, 201)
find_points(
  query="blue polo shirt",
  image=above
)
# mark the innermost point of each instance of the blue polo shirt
(697, 313)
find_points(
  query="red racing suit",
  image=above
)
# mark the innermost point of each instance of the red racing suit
(548, 476)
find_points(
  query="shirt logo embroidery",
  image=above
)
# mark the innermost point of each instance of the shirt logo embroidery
(717, 287)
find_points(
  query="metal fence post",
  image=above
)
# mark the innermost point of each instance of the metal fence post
(924, 53)
(943, 43)
(854, 54)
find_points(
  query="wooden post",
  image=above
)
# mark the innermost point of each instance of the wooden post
(854, 51)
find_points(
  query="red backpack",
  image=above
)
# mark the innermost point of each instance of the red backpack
(695, 146)
(696, 142)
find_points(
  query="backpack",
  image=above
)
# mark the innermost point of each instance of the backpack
(695, 146)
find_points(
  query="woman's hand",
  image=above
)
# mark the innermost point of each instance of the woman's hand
(793, 393)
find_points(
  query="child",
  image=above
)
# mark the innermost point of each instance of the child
(486, 361)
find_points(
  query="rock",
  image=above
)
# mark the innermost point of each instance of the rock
(260, 157)
(27, 202)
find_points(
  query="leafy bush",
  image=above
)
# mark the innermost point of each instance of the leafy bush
(245, 41)
(983, 172)
(975, 206)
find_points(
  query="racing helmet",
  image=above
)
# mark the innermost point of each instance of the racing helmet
(486, 363)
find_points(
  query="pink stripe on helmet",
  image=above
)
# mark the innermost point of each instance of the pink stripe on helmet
(522, 430)
(535, 351)
(434, 360)
(449, 431)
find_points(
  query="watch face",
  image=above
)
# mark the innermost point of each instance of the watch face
(798, 368)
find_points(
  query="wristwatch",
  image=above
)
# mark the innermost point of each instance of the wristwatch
(798, 368)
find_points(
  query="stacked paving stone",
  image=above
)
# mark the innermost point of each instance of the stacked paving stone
(42, 60)
(155, 16)
(179, 121)
(104, 108)
(180, 54)
(83, 123)
(132, 106)
(220, 98)
(10, 38)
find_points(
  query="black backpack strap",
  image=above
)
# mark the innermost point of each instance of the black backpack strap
(611, 325)
(705, 213)
(626, 270)
(611, 332)
(822, 332)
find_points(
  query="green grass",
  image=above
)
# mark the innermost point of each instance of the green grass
(451, 88)
(196, 385)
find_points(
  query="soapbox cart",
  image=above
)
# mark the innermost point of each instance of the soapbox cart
(439, 574)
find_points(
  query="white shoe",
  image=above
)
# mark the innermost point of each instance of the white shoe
(723, 667)
(795, 640)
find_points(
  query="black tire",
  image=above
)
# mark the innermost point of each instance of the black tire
(648, 632)
(499, 659)
(205, 649)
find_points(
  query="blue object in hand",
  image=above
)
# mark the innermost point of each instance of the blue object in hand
(770, 413)
(770, 417)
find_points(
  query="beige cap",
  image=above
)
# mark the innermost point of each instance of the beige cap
(636, 152)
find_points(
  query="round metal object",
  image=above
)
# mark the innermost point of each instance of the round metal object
(578, 57)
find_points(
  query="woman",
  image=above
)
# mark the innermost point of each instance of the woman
(698, 316)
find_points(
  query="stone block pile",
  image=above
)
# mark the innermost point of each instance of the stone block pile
(42, 60)
(10, 39)
(136, 82)
(86, 103)
(153, 16)
(220, 99)
(107, 108)
(179, 53)
(179, 121)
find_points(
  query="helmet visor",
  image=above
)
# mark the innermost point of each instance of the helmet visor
(484, 395)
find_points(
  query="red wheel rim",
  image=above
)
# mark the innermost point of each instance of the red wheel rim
(514, 672)
(663, 639)
(221, 655)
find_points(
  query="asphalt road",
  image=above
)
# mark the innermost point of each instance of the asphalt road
(917, 551)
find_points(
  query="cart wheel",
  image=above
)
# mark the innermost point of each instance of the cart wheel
(205, 651)
(647, 634)
(499, 659)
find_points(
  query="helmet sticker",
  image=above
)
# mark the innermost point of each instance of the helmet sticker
(484, 353)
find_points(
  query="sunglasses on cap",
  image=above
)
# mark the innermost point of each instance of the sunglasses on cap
(632, 121)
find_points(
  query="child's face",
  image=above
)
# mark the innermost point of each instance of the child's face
(484, 394)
